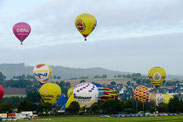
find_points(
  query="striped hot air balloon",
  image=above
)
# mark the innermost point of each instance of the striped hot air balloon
(109, 94)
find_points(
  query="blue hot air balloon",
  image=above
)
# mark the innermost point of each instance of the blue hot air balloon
(61, 102)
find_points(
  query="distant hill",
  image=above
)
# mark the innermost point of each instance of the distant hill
(10, 70)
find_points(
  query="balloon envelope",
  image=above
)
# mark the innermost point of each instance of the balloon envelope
(70, 100)
(1, 92)
(61, 102)
(158, 98)
(85, 23)
(86, 94)
(141, 93)
(42, 73)
(21, 30)
(50, 92)
(70, 92)
(109, 94)
(167, 98)
(157, 75)
(100, 89)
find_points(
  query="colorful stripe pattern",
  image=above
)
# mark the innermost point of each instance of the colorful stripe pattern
(141, 93)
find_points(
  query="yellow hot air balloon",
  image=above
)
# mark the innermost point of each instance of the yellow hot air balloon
(157, 75)
(50, 92)
(70, 100)
(85, 23)
(70, 92)
(167, 98)
(42, 73)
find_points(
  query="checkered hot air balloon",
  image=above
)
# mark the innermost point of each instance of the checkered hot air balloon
(141, 93)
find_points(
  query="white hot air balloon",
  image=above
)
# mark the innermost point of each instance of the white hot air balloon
(42, 73)
(86, 94)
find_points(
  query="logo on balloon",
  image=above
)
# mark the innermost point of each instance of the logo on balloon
(80, 97)
(22, 30)
(80, 25)
(41, 74)
(157, 77)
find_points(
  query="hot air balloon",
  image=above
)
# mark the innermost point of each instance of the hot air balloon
(42, 73)
(157, 98)
(85, 23)
(50, 92)
(1, 92)
(70, 100)
(167, 98)
(109, 94)
(70, 97)
(70, 92)
(21, 31)
(157, 75)
(86, 94)
(141, 93)
(61, 102)
(100, 89)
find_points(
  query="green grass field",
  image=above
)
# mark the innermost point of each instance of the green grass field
(111, 119)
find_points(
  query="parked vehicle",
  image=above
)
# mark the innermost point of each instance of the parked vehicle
(2, 119)
(104, 116)
(35, 117)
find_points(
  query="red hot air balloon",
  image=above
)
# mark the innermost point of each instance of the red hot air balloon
(1, 92)
(21, 31)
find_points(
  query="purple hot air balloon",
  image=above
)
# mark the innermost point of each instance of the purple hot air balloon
(21, 31)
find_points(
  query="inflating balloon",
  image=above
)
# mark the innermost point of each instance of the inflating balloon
(141, 93)
(167, 98)
(70, 100)
(109, 94)
(157, 75)
(85, 23)
(100, 89)
(70, 92)
(86, 94)
(1, 92)
(158, 98)
(61, 102)
(42, 73)
(50, 92)
(21, 31)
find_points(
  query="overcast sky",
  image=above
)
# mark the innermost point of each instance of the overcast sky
(130, 35)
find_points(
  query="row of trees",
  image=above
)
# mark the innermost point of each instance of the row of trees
(129, 106)
(31, 103)
(31, 77)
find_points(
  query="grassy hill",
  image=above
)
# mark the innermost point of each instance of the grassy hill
(9, 70)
